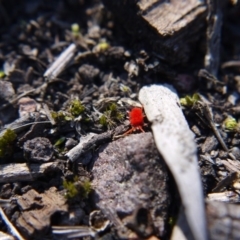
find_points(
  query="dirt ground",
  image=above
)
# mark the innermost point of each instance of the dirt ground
(45, 189)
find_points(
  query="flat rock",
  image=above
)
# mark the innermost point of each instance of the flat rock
(128, 174)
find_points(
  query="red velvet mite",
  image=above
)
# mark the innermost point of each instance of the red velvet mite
(136, 118)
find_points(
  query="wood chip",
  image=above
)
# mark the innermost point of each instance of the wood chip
(175, 142)
(226, 181)
(43, 206)
(167, 26)
(228, 196)
(92, 140)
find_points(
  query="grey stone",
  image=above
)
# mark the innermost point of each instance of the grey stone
(6, 90)
(129, 173)
(38, 149)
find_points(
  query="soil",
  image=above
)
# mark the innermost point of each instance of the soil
(43, 185)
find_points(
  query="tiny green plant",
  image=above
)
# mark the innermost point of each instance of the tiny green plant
(76, 108)
(85, 189)
(6, 141)
(61, 116)
(75, 30)
(71, 189)
(189, 101)
(230, 124)
(115, 113)
(102, 46)
(54, 115)
(103, 120)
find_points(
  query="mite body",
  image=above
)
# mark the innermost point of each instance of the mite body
(136, 118)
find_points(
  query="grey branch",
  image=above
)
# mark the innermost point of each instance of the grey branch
(61, 62)
(18, 172)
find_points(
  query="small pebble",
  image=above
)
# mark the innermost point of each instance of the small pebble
(236, 152)
(38, 149)
(26, 105)
(70, 143)
(6, 90)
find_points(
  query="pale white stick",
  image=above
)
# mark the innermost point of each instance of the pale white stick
(12, 229)
(76, 151)
(175, 142)
(5, 236)
(73, 231)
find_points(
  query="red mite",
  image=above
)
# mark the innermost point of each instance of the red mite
(136, 118)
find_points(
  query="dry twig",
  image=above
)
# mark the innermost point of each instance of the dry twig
(61, 62)
(93, 141)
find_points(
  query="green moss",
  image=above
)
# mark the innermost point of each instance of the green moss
(2, 74)
(230, 124)
(6, 141)
(189, 101)
(61, 116)
(76, 108)
(71, 188)
(113, 108)
(76, 188)
(103, 120)
(114, 113)
(54, 115)
(111, 116)
(86, 188)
